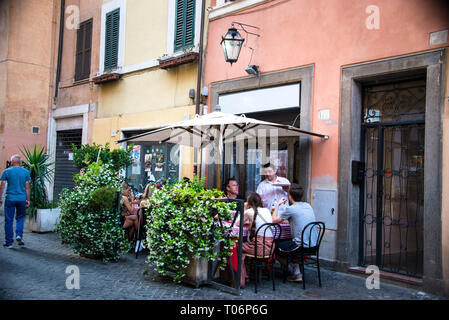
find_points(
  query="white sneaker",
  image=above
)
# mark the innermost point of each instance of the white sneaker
(293, 269)
(139, 246)
(20, 241)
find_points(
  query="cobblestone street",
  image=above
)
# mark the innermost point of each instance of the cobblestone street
(38, 271)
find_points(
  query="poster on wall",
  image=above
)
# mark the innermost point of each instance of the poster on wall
(148, 161)
(159, 161)
(136, 154)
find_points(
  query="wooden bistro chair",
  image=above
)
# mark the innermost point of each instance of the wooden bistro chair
(308, 253)
(267, 259)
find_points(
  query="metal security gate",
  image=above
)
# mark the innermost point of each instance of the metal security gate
(392, 195)
(64, 166)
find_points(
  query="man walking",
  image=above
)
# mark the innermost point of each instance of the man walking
(17, 199)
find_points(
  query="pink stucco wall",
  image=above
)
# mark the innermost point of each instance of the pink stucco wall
(329, 34)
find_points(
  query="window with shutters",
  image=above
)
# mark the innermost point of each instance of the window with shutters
(184, 24)
(111, 39)
(83, 50)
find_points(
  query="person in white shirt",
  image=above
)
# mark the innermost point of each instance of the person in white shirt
(270, 191)
(255, 215)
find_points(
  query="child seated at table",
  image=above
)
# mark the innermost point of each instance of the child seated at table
(256, 215)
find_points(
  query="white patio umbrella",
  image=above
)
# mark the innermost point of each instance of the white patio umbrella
(216, 129)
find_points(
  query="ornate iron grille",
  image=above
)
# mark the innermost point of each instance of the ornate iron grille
(392, 198)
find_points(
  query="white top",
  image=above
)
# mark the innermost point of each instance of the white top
(271, 194)
(263, 216)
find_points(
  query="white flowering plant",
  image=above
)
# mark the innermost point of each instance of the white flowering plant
(89, 220)
(183, 224)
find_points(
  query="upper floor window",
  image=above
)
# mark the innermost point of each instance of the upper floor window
(83, 50)
(112, 39)
(184, 24)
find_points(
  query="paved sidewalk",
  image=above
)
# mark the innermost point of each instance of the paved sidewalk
(38, 271)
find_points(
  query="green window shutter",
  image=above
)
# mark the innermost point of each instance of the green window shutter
(185, 24)
(83, 50)
(111, 39)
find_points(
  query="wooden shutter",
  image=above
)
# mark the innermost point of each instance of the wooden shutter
(83, 50)
(185, 24)
(112, 36)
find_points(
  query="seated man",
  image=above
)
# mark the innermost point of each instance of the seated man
(231, 189)
(299, 214)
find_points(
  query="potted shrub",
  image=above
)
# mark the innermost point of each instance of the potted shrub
(182, 234)
(89, 218)
(42, 214)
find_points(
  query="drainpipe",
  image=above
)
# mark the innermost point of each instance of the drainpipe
(61, 34)
(200, 61)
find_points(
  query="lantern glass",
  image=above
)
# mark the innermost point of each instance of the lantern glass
(231, 44)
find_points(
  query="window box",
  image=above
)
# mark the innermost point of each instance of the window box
(171, 62)
(107, 77)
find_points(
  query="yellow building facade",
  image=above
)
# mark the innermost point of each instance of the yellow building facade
(153, 47)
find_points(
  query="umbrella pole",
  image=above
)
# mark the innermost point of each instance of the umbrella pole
(199, 162)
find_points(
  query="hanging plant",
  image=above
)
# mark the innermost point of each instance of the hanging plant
(183, 225)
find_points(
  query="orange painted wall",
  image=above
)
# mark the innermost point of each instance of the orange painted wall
(329, 34)
(71, 93)
(27, 58)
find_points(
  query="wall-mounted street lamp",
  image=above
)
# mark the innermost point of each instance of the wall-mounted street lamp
(232, 41)
(231, 44)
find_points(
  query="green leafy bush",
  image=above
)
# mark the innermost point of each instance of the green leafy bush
(87, 154)
(104, 197)
(92, 229)
(182, 226)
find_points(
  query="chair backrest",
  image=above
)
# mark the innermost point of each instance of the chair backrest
(268, 249)
(119, 209)
(313, 233)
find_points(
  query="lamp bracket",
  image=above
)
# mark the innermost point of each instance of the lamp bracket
(243, 25)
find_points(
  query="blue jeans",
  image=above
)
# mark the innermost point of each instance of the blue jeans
(11, 208)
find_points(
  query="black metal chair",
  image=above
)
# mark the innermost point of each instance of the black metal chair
(306, 252)
(267, 258)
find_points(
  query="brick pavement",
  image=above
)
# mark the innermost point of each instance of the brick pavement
(37, 271)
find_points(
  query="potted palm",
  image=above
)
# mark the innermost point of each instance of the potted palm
(42, 214)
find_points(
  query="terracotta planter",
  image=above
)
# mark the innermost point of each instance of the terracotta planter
(45, 220)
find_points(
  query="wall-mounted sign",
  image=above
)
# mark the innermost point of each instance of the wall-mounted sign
(136, 154)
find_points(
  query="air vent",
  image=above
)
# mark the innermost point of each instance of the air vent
(35, 130)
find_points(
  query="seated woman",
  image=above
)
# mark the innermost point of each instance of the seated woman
(146, 195)
(256, 215)
(128, 212)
